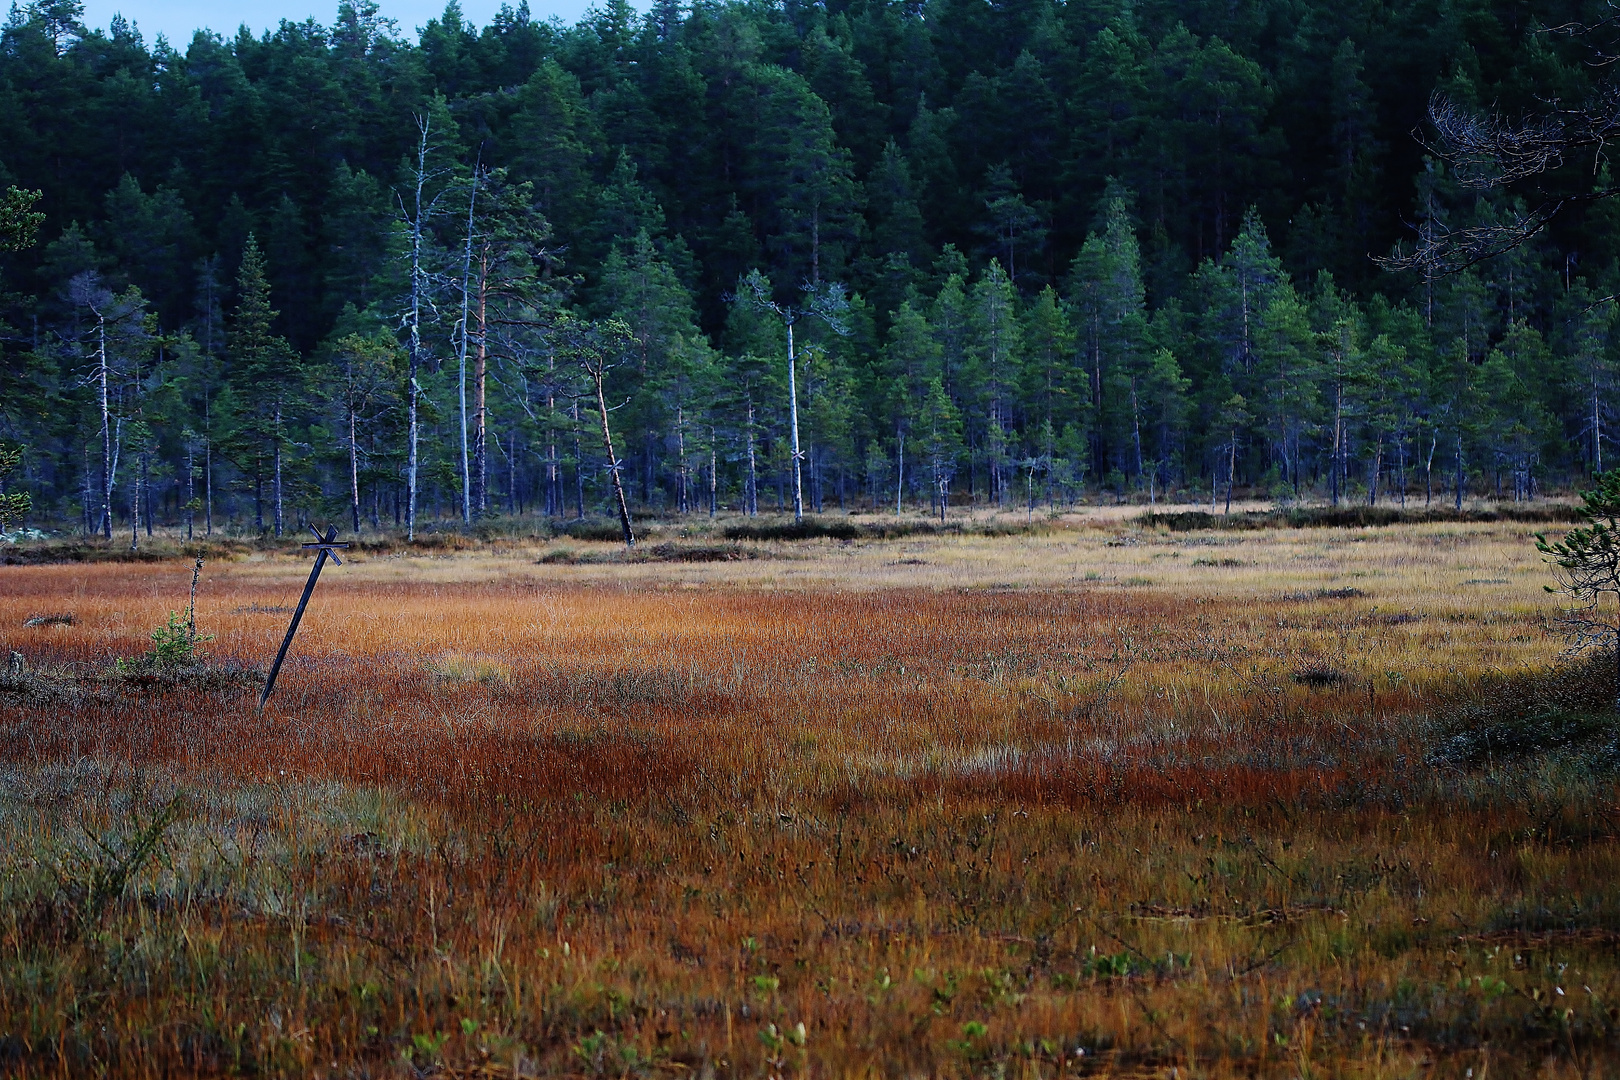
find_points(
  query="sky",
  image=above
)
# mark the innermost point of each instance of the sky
(177, 19)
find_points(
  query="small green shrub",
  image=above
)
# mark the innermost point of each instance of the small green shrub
(808, 529)
(603, 530)
(1566, 708)
(175, 643)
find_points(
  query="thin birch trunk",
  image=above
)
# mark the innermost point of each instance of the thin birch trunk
(480, 477)
(191, 486)
(751, 496)
(102, 391)
(1136, 429)
(354, 471)
(1597, 430)
(1338, 437)
(1428, 471)
(276, 450)
(597, 376)
(554, 495)
(424, 126)
(793, 415)
(88, 498)
(1231, 470)
(461, 353)
(579, 467)
(1377, 470)
(681, 501)
(1459, 470)
(899, 469)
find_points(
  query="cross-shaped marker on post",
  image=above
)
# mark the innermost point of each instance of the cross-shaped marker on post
(323, 546)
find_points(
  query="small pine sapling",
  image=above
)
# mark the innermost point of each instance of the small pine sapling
(14, 506)
(176, 643)
(1586, 565)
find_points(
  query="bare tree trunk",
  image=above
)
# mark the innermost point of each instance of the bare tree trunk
(554, 495)
(1136, 429)
(480, 477)
(1400, 464)
(146, 488)
(1377, 468)
(751, 496)
(276, 450)
(597, 376)
(461, 353)
(1459, 471)
(511, 478)
(354, 471)
(900, 469)
(191, 486)
(1428, 470)
(88, 497)
(1231, 470)
(579, 468)
(681, 502)
(1338, 438)
(423, 125)
(1597, 430)
(714, 482)
(793, 415)
(102, 380)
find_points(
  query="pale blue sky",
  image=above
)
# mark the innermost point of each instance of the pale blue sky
(176, 19)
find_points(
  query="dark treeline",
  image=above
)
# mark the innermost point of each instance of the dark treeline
(1029, 251)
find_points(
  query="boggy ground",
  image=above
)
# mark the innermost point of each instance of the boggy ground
(1094, 801)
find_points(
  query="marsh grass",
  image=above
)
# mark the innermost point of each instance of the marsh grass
(972, 814)
(668, 552)
(1566, 709)
(456, 667)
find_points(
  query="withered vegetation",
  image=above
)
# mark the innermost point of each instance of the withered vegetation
(987, 812)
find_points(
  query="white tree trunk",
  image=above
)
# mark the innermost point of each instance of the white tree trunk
(102, 390)
(461, 354)
(598, 375)
(276, 450)
(414, 318)
(793, 414)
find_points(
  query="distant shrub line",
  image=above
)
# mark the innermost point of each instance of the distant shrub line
(843, 529)
(1341, 517)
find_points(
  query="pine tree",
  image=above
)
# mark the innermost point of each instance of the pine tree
(998, 355)
(423, 182)
(939, 430)
(912, 363)
(368, 374)
(265, 376)
(1108, 300)
(1050, 396)
(1285, 354)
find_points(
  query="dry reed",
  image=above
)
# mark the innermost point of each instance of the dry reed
(956, 806)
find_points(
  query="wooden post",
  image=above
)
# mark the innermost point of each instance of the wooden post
(324, 546)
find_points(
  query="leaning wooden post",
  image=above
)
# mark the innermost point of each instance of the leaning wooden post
(324, 546)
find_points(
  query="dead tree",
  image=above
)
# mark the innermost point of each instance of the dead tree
(598, 348)
(1492, 150)
(824, 302)
(423, 174)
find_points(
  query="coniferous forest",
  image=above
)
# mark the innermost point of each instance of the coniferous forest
(1025, 252)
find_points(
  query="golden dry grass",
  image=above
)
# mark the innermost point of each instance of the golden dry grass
(1095, 800)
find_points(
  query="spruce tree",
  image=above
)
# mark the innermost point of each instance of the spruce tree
(265, 376)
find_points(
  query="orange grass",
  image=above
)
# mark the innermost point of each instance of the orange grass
(969, 813)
